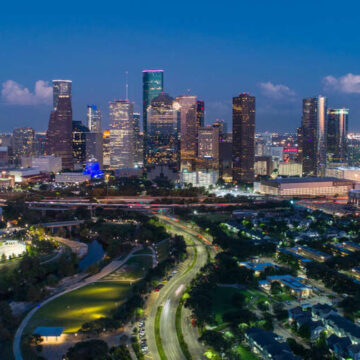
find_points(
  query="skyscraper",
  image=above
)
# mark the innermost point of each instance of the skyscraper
(191, 116)
(93, 116)
(121, 134)
(59, 133)
(313, 135)
(79, 132)
(243, 138)
(61, 88)
(23, 143)
(94, 138)
(208, 147)
(162, 132)
(153, 85)
(337, 128)
(138, 142)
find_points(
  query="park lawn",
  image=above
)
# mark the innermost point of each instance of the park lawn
(254, 297)
(134, 269)
(79, 306)
(162, 249)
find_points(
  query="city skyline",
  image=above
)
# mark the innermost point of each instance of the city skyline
(229, 58)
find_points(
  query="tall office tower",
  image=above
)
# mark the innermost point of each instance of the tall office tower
(299, 145)
(138, 141)
(23, 143)
(162, 145)
(243, 149)
(61, 88)
(59, 133)
(93, 116)
(189, 120)
(94, 138)
(121, 134)
(225, 157)
(106, 148)
(337, 128)
(79, 132)
(153, 85)
(221, 124)
(208, 147)
(313, 135)
(40, 141)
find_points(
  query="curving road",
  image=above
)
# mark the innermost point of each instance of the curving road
(169, 297)
(105, 271)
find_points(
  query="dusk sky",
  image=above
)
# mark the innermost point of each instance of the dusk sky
(279, 51)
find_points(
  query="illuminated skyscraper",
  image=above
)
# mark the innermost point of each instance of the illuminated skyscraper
(243, 144)
(23, 143)
(337, 129)
(191, 118)
(61, 88)
(121, 134)
(106, 148)
(93, 117)
(138, 142)
(162, 133)
(59, 133)
(208, 147)
(153, 85)
(313, 135)
(79, 132)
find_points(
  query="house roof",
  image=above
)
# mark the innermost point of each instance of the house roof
(49, 330)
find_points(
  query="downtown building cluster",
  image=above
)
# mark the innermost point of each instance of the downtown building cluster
(171, 140)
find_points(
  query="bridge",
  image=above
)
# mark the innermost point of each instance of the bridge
(62, 224)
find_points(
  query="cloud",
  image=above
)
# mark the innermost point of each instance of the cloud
(276, 91)
(348, 84)
(14, 93)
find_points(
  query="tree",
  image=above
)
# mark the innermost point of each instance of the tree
(88, 350)
(276, 288)
(120, 353)
(304, 331)
(215, 340)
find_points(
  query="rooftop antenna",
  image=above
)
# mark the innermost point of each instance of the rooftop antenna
(126, 86)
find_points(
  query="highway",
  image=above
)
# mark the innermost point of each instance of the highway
(169, 296)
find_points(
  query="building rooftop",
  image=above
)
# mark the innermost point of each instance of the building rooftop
(49, 330)
(294, 180)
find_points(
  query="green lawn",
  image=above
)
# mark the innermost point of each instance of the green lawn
(88, 303)
(134, 269)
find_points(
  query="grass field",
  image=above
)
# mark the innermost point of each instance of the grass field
(134, 269)
(88, 303)
(223, 300)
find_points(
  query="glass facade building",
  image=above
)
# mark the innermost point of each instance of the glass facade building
(93, 117)
(153, 85)
(337, 129)
(23, 143)
(162, 144)
(243, 144)
(59, 133)
(61, 88)
(122, 134)
(314, 135)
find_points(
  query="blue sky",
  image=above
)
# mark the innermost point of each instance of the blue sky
(279, 51)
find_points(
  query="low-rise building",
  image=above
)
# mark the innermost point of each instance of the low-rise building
(200, 178)
(343, 327)
(295, 284)
(12, 249)
(344, 172)
(307, 186)
(290, 169)
(267, 345)
(51, 334)
(257, 267)
(72, 178)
